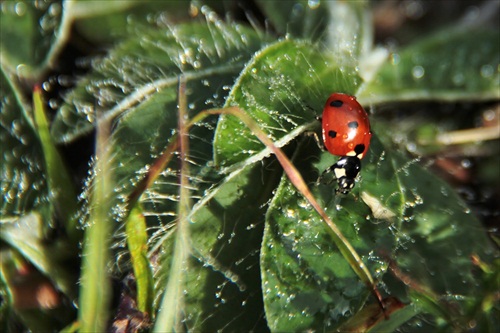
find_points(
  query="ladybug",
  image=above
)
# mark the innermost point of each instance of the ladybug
(346, 133)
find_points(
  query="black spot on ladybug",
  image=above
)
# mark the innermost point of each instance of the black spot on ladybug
(353, 124)
(332, 134)
(359, 149)
(336, 104)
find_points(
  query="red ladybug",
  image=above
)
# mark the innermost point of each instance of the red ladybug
(346, 133)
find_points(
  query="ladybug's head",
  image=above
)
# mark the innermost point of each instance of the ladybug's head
(345, 185)
(346, 170)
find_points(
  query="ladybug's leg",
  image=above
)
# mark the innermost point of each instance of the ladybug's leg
(322, 175)
(315, 136)
(313, 133)
(330, 169)
(311, 109)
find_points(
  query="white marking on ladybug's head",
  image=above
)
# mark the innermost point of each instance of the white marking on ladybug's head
(360, 156)
(351, 153)
(339, 172)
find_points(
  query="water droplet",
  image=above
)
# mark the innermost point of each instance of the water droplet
(16, 127)
(466, 163)
(418, 72)
(444, 191)
(471, 14)
(46, 86)
(64, 80)
(251, 226)
(22, 69)
(313, 4)
(395, 59)
(54, 103)
(10, 195)
(290, 213)
(54, 9)
(411, 147)
(20, 8)
(487, 71)
(297, 9)
(458, 79)
(211, 15)
(413, 9)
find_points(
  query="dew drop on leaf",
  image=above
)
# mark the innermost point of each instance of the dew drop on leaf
(418, 72)
(395, 58)
(20, 8)
(458, 79)
(487, 71)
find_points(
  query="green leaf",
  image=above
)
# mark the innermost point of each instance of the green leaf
(152, 61)
(27, 32)
(23, 181)
(452, 65)
(433, 222)
(434, 230)
(223, 287)
(397, 211)
(142, 133)
(113, 20)
(303, 272)
(147, 65)
(281, 98)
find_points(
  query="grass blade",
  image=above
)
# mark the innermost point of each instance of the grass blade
(95, 291)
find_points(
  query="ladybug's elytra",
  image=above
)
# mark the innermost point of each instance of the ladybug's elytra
(346, 133)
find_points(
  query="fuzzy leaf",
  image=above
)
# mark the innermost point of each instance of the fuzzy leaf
(209, 55)
(143, 131)
(149, 63)
(303, 272)
(282, 88)
(222, 278)
(397, 211)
